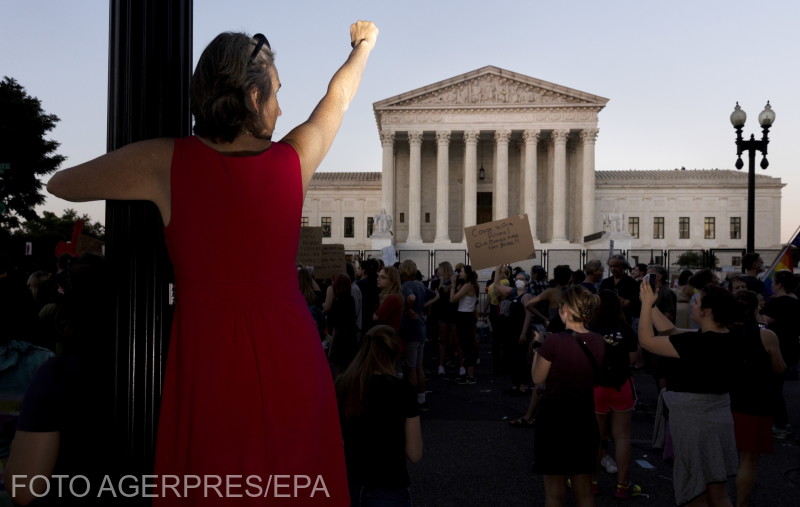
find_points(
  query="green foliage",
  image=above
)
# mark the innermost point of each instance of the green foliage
(49, 224)
(694, 260)
(23, 126)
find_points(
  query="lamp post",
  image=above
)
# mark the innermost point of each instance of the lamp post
(766, 119)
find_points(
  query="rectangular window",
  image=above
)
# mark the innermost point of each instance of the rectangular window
(325, 222)
(402, 217)
(709, 228)
(683, 228)
(633, 226)
(736, 260)
(736, 227)
(303, 221)
(658, 227)
(349, 227)
(427, 218)
(370, 226)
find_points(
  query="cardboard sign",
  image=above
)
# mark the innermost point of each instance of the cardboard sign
(330, 263)
(88, 244)
(309, 249)
(500, 242)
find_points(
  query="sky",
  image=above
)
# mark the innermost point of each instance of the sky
(673, 70)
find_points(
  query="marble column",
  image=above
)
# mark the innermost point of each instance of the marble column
(531, 141)
(387, 173)
(414, 186)
(442, 187)
(560, 195)
(501, 138)
(471, 177)
(589, 137)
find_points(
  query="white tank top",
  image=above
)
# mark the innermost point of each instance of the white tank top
(467, 304)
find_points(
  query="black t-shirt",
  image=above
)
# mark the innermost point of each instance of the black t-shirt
(374, 443)
(626, 288)
(786, 312)
(71, 394)
(750, 393)
(708, 362)
(620, 341)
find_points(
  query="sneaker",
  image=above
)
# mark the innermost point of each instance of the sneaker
(471, 380)
(625, 492)
(462, 371)
(441, 370)
(423, 407)
(780, 434)
(608, 463)
(595, 487)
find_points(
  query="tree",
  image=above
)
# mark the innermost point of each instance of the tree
(24, 152)
(49, 224)
(693, 260)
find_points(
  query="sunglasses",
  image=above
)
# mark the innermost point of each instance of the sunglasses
(261, 40)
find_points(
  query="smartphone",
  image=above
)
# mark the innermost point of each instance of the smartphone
(651, 279)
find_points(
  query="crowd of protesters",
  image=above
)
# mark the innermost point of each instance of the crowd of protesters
(570, 344)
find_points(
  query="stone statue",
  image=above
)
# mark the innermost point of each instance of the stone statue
(383, 225)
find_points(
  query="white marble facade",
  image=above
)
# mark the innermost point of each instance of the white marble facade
(534, 140)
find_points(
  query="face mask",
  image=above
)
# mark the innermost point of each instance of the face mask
(520, 284)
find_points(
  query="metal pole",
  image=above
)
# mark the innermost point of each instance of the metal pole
(751, 199)
(150, 65)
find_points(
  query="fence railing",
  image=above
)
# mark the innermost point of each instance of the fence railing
(675, 260)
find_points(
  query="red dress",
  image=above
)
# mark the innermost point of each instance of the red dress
(248, 396)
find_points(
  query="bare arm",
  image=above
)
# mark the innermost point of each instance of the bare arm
(523, 337)
(32, 453)
(465, 290)
(540, 369)
(314, 137)
(531, 306)
(138, 171)
(413, 439)
(656, 344)
(771, 343)
(326, 305)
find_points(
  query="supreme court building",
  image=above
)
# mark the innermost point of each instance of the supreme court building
(490, 143)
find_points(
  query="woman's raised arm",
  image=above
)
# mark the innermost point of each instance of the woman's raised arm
(314, 137)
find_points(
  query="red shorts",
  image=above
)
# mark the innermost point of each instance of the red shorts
(753, 433)
(609, 398)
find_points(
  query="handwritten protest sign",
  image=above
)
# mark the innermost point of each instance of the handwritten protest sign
(500, 242)
(330, 262)
(309, 250)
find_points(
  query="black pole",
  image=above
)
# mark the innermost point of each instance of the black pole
(150, 64)
(751, 200)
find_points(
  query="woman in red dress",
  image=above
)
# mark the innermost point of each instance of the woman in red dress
(247, 392)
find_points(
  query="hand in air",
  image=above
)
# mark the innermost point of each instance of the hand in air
(646, 295)
(363, 30)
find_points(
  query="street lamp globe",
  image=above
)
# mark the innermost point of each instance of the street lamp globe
(738, 117)
(767, 116)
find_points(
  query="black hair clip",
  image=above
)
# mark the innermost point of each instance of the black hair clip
(261, 40)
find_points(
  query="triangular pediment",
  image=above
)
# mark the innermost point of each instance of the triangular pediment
(491, 87)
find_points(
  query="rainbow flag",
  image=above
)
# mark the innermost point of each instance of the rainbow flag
(785, 260)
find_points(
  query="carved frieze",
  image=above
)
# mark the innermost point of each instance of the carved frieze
(491, 89)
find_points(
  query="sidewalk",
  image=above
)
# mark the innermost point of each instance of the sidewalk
(473, 457)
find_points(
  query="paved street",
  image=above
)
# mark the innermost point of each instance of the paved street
(473, 457)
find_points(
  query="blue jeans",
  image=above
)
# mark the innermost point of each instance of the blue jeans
(361, 496)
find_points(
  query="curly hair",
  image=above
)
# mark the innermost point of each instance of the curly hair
(221, 85)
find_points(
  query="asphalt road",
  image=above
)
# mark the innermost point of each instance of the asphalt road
(474, 457)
